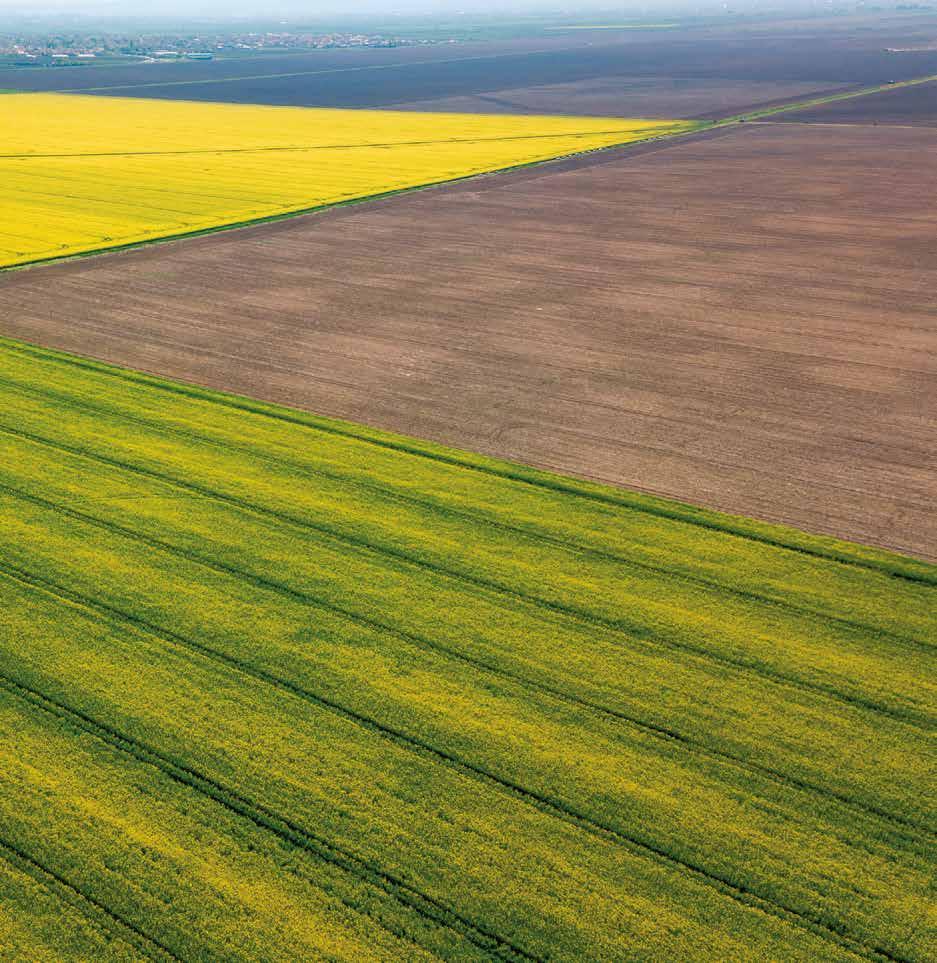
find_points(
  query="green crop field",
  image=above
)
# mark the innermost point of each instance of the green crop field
(275, 687)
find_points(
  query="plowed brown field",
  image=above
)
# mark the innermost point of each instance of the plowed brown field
(743, 320)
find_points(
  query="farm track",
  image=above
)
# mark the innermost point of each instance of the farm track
(94, 910)
(894, 106)
(634, 633)
(554, 806)
(269, 821)
(422, 642)
(421, 903)
(434, 505)
(644, 638)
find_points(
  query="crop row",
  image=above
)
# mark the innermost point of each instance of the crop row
(523, 710)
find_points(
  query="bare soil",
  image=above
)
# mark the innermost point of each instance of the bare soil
(746, 319)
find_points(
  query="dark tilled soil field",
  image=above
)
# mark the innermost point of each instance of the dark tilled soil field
(744, 319)
(916, 106)
(582, 71)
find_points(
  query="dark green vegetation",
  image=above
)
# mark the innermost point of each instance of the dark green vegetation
(273, 686)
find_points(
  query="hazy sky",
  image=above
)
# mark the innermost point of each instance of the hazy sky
(264, 8)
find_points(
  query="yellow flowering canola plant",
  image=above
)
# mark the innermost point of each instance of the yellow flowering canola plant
(79, 174)
(275, 687)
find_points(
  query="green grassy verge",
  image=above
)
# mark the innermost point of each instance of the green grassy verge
(273, 686)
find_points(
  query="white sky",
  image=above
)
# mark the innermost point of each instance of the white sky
(261, 8)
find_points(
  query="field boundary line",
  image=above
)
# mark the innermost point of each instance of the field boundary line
(435, 506)
(105, 611)
(296, 73)
(269, 820)
(776, 536)
(291, 832)
(636, 635)
(101, 915)
(833, 123)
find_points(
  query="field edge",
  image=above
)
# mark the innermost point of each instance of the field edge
(828, 547)
(665, 131)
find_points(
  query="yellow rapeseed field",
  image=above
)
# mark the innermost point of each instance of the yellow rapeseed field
(275, 687)
(82, 173)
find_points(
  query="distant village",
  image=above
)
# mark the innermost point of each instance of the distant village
(73, 49)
